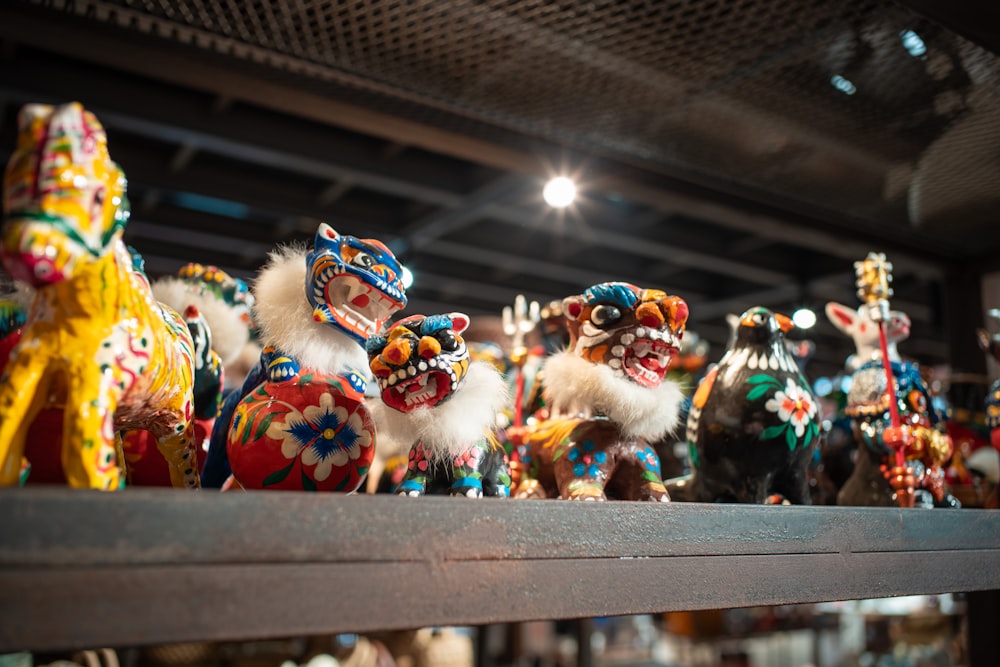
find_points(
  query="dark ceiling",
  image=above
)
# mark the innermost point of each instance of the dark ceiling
(734, 152)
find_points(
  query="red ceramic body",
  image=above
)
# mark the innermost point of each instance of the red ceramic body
(309, 433)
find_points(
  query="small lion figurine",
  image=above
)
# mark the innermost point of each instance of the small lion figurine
(442, 405)
(608, 398)
(300, 422)
(95, 339)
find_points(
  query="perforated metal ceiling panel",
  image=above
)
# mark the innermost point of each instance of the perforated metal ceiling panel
(732, 151)
(855, 106)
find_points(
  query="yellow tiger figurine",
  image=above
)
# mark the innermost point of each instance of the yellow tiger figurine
(96, 342)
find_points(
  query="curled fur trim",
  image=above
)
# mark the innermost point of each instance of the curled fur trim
(576, 386)
(285, 318)
(229, 333)
(446, 429)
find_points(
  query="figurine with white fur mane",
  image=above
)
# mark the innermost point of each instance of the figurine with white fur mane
(441, 403)
(608, 398)
(299, 422)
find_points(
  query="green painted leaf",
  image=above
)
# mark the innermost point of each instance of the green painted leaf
(362, 471)
(559, 451)
(343, 483)
(758, 391)
(813, 430)
(306, 379)
(772, 432)
(790, 438)
(278, 475)
(762, 378)
(650, 476)
(693, 455)
(265, 423)
(307, 483)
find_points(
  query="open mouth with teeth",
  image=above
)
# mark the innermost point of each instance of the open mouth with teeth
(646, 361)
(357, 306)
(427, 389)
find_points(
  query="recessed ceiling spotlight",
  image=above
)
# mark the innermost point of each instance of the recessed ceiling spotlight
(559, 192)
(804, 318)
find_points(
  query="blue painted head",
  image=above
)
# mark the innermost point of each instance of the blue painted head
(354, 285)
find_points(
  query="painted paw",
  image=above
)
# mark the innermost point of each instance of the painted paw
(473, 493)
(413, 493)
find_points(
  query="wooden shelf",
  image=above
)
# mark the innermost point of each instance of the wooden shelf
(85, 569)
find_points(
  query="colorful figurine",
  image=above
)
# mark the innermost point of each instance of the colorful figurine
(95, 337)
(145, 466)
(608, 398)
(859, 325)
(224, 301)
(901, 443)
(299, 422)
(753, 425)
(445, 406)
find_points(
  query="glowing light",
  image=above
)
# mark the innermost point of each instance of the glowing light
(822, 387)
(843, 85)
(913, 44)
(804, 318)
(406, 278)
(559, 192)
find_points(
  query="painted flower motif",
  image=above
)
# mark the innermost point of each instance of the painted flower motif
(794, 406)
(650, 459)
(585, 460)
(418, 461)
(469, 459)
(325, 436)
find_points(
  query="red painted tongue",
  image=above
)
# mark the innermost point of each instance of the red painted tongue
(650, 363)
(361, 301)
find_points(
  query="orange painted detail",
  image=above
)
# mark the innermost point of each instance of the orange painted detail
(704, 389)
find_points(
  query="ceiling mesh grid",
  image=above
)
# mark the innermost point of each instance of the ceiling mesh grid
(824, 101)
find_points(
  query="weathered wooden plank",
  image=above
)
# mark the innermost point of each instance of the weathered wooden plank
(55, 526)
(89, 607)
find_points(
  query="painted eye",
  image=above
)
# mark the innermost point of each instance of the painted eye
(364, 260)
(605, 315)
(448, 340)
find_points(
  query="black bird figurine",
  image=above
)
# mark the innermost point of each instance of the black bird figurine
(753, 425)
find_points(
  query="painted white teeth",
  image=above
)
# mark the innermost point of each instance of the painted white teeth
(618, 350)
(422, 365)
(640, 332)
(628, 339)
(412, 371)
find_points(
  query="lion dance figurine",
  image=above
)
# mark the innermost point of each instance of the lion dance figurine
(441, 404)
(95, 338)
(608, 398)
(299, 422)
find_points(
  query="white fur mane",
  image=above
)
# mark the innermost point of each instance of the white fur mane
(229, 332)
(285, 318)
(446, 429)
(574, 386)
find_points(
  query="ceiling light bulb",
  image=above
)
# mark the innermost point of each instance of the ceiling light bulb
(559, 192)
(804, 318)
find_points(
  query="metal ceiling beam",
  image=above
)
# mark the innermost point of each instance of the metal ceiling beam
(422, 232)
(560, 273)
(645, 248)
(162, 63)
